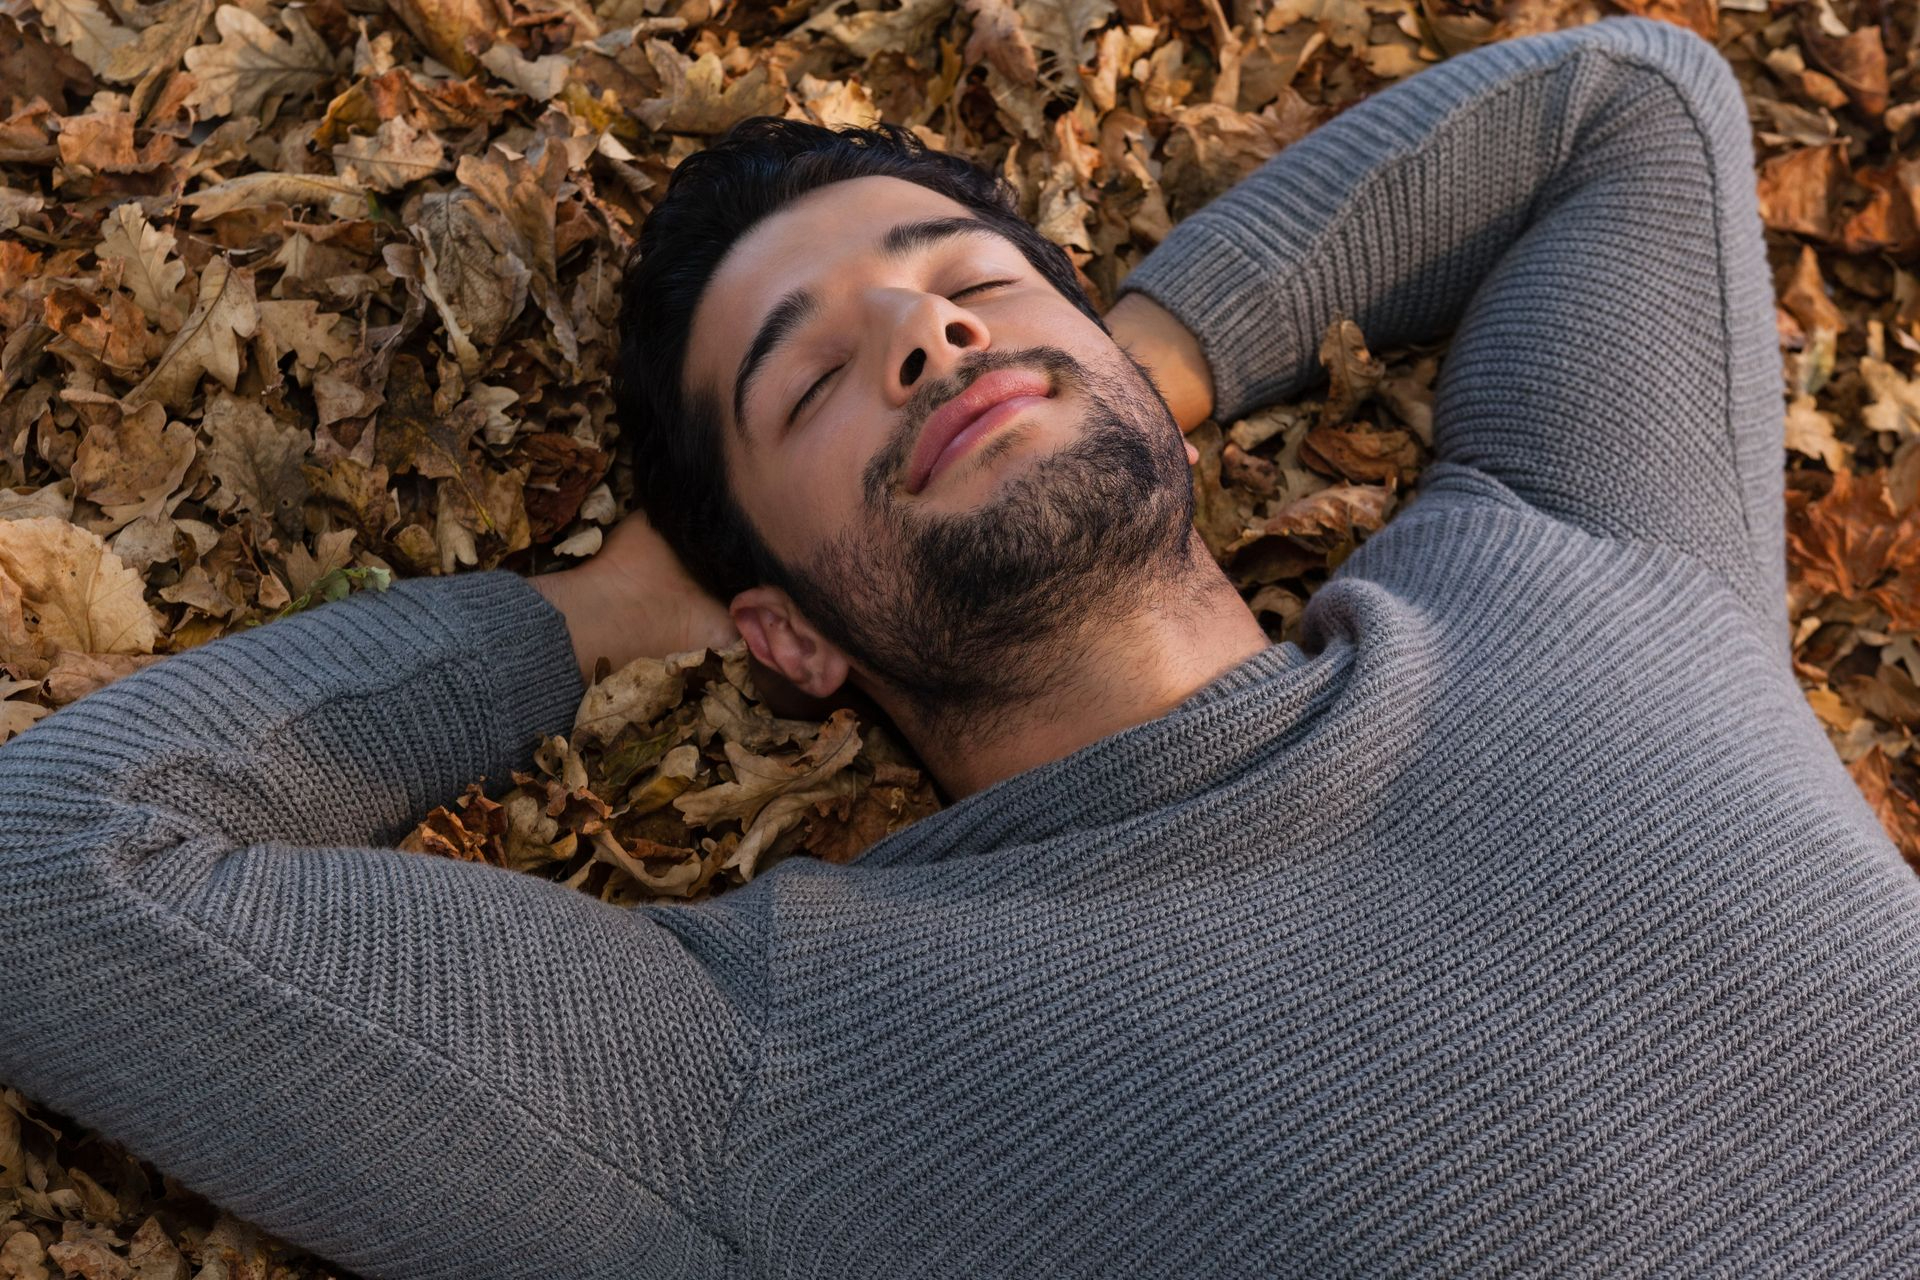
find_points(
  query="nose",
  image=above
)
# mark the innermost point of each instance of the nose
(930, 336)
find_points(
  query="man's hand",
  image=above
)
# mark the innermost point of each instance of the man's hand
(633, 599)
(1171, 353)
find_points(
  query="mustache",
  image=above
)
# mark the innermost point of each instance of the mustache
(888, 467)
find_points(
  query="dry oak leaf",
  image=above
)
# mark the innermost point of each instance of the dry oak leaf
(1857, 61)
(1810, 431)
(637, 694)
(208, 341)
(1352, 371)
(1888, 220)
(394, 156)
(1897, 810)
(868, 33)
(1339, 512)
(257, 460)
(770, 795)
(1058, 31)
(16, 716)
(85, 597)
(150, 58)
(343, 197)
(1851, 544)
(443, 26)
(697, 98)
(998, 40)
(1702, 17)
(296, 325)
(130, 462)
(84, 29)
(252, 70)
(539, 78)
(149, 268)
(1797, 189)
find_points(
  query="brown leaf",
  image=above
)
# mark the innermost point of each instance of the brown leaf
(398, 154)
(1352, 370)
(698, 99)
(342, 197)
(444, 26)
(770, 795)
(1896, 808)
(1857, 61)
(1849, 543)
(257, 459)
(1699, 16)
(997, 38)
(129, 462)
(1797, 189)
(81, 26)
(1361, 453)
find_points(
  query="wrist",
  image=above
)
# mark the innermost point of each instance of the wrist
(1153, 336)
(562, 590)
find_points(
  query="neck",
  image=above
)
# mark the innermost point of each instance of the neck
(1116, 674)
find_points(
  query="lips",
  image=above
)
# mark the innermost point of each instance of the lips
(957, 414)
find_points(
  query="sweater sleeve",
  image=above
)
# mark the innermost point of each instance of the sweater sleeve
(413, 1066)
(1577, 210)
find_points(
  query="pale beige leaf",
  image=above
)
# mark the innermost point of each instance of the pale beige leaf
(538, 78)
(209, 340)
(85, 598)
(149, 268)
(252, 70)
(16, 715)
(84, 29)
(638, 693)
(1810, 431)
(343, 197)
(394, 156)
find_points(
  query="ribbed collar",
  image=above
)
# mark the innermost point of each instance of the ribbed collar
(1223, 727)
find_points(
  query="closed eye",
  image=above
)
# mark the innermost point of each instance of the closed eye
(806, 397)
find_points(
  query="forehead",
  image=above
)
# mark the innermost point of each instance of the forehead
(809, 241)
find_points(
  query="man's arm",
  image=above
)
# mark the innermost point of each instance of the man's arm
(413, 1066)
(1579, 206)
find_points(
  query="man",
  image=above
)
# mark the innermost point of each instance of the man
(1518, 919)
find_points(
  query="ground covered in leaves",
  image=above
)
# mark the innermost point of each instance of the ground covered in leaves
(296, 298)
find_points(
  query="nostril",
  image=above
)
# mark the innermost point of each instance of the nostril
(911, 367)
(957, 334)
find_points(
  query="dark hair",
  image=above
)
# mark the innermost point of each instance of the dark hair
(671, 434)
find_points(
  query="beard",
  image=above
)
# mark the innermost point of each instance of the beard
(966, 613)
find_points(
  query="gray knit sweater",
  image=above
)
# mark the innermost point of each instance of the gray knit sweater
(1518, 919)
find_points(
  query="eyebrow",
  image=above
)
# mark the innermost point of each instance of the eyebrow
(792, 312)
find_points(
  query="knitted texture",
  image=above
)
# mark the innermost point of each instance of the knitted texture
(1519, 919)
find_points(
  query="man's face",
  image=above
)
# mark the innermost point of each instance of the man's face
(831, 337)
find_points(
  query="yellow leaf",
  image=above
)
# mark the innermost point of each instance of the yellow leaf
(85, 597)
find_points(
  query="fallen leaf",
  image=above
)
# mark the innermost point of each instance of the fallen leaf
(85, 598)
(252, 70)
(208, 341)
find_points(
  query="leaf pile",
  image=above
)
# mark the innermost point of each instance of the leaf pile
(298, 297)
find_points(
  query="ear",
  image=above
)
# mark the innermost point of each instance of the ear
(783, 641)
